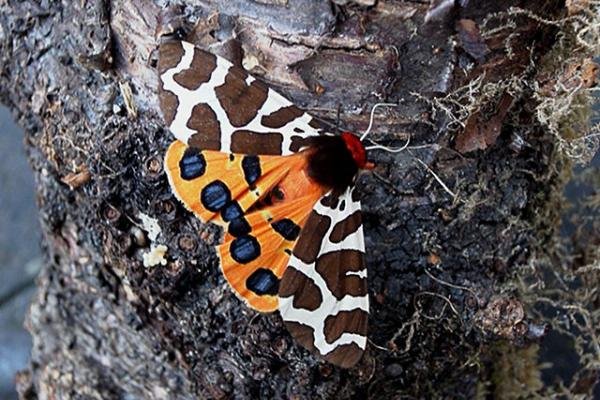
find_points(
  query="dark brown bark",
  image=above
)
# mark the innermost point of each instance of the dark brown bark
(105, 326)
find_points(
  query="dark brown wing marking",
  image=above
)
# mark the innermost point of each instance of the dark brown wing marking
(281, 117)
(241, 101)
(202, 66)
(308, 246)
(341, 269)
(296, 282)
(354, 321)
(204, 120)
(248, 142)
(169, 56)
(346, 227)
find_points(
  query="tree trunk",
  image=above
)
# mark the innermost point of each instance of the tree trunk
(448, 221)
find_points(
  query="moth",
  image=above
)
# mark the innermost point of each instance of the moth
(252, 162)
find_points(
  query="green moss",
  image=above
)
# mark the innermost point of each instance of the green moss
(562, 274)
(515, 372)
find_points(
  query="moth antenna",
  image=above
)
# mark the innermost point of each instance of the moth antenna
(377, 145)
(389, 149)
(436, 177)
(364, 135)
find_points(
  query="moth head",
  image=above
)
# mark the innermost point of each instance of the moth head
(356, 148)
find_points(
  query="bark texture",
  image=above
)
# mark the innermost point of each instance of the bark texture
(446, 221)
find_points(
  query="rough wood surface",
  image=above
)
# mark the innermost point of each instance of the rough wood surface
(105, 326)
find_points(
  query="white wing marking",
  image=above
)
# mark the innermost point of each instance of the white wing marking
(330, 305)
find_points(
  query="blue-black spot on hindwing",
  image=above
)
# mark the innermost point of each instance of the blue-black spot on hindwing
(215, 196)
(239, 227)
(263, 281)
(251, 167)
(244, 249)
(231, 211)
(286, 228)
(192, 165)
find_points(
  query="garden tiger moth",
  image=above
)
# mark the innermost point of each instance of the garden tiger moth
(282, 189)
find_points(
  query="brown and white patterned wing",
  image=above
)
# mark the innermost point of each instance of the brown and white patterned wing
(210, 104)
(323, 296)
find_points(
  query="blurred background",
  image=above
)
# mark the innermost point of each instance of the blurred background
(20, 254)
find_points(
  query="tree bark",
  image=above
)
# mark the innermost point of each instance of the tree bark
(447, 222)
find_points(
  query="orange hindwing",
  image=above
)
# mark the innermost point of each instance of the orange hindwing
(261, 201)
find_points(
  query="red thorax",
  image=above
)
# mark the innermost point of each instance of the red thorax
(357, 150)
